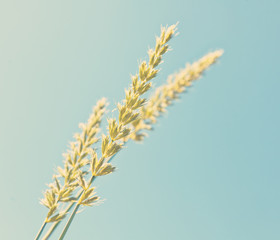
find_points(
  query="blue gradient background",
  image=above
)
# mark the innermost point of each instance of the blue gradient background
(209, 171)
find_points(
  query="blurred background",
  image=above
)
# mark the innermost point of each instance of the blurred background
(209, 171)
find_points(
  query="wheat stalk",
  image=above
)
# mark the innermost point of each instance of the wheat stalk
(135, 114)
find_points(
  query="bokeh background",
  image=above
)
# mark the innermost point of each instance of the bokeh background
(209, 171)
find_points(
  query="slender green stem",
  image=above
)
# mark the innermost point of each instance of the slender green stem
(50, 231)
(54, 226)
(74, 211)
(41, 230)
(69, 222)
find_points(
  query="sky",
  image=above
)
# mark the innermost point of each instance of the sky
(208, 171)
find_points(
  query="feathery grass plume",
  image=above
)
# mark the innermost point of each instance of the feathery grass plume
(111, 144)
(167, 93)
(73, 184)
(66, 181)
(128, 111)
